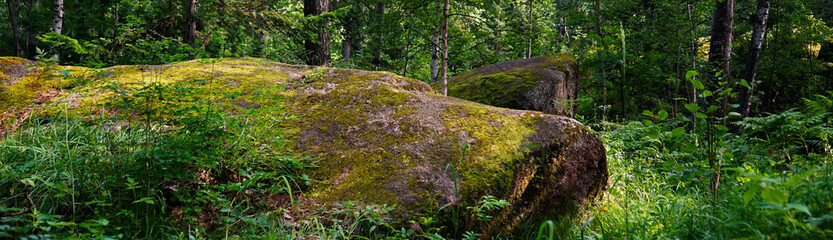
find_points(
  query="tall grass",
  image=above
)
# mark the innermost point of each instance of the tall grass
(190, 168)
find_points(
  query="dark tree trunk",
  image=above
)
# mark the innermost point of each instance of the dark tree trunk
(317, 50)
(750, 71)
(377, 53)
(58, 22)
(444, 67)
(29, 41)
(191, 23)
(603, 79)
(349, 25)
(622, 92)
(720, 49)
(15, 33)
(435, 56)
(561, 25)
(260, 36)
(116, 20)
(346, 51)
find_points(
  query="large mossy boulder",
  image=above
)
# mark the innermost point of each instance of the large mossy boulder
(383, 139)
(548, 84)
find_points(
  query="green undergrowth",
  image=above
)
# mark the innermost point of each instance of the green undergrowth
(777, 181)
(162, 167)
(164, 159)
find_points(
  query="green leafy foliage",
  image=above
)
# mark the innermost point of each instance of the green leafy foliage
(100, 178)
(487, 204)
(772, 184)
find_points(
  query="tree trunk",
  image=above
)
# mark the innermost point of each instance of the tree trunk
(191, 23)
(754, 58)
(116, 21)
(348, 23)
(720, 49)
(694, 49)
(435, 46)
(15, 33)
(345, 48)
(622, 92)
(770, 93)
(377, 54)
(561, 24)
(435, 55)
(444, 67)
(30, 38)
(58, 22)
(260, 36)
(317, 50)
(603, 80)
(407, 54)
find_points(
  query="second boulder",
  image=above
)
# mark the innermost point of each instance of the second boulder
(548, 84)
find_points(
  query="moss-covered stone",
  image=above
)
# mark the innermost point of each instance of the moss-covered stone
(380, 138)
(548, 84)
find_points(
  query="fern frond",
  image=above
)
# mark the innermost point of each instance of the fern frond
(820, 103)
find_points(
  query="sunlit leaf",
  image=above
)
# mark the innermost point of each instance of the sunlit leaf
(744, 83)
(692, 107)
(28, 182)
(774, 195)
(800, 207)
(678, 131)
(690, 74)
(750, 193)
(697, 84)
(653, 133)
(148, 200)
(662, 115)
(712, 108)
(798, 178)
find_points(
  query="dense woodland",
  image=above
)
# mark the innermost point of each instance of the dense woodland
(634, 53)
(717, 115)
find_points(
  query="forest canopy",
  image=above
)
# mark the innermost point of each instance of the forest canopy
(634, 54)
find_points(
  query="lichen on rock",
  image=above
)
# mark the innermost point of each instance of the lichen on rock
(384, 139)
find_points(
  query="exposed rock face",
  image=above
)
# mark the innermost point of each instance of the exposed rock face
(386, 139)
(548, 84)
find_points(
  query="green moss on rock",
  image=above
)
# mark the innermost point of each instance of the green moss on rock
(380, 138)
